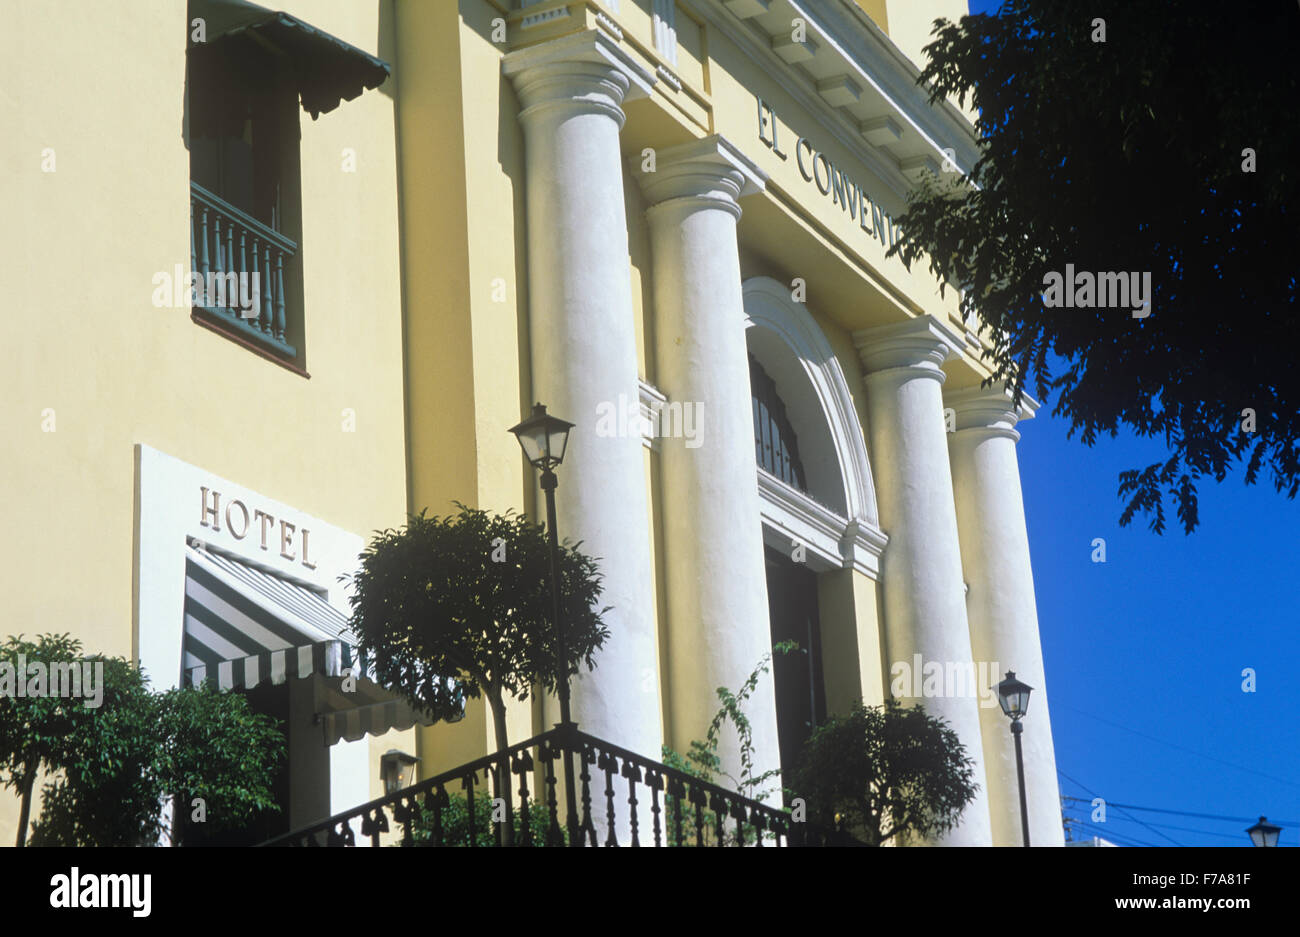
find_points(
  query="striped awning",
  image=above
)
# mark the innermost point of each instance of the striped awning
(245, 626)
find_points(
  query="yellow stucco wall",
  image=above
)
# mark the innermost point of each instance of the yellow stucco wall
(89, 351)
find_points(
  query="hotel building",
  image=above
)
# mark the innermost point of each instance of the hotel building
(667, 220)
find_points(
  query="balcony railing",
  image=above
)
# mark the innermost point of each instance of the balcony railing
(613, 788)
(241, 264)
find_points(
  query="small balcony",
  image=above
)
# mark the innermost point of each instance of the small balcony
(620, 798)
(241, 265)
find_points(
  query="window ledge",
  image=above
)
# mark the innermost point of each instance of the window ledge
(226, 327)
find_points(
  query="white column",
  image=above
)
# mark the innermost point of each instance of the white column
(1001, 606)
(584, 354)
(925, 607)
(713, 539)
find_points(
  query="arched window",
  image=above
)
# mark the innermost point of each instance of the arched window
(775, 445)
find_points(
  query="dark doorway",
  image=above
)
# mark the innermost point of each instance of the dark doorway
(800, 686)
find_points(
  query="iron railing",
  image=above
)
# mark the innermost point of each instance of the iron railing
(683, 810)
(237, 257)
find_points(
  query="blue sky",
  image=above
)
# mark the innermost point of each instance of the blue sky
(1154, 641)
(1144, 654)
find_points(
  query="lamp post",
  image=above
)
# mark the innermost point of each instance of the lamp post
(1264, 833)
(544, 438)
(1013, 697)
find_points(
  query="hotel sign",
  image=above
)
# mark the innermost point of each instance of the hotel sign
(239, 519)
(831, 181)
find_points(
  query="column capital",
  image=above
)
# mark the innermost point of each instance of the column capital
(919, 346)
(587, 72)
(989, 410)
(707, 173)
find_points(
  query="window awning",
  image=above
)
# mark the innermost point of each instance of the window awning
(326, 70)
(245, 627)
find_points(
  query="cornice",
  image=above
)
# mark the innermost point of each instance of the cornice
(887, 72)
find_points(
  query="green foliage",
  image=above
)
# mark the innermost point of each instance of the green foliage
(216, 748)
(107, 792)
(703, 761)
(441, 620)
(110, 768)
(47, 732)
(455, 823)
(1127, 155)
(885, 771)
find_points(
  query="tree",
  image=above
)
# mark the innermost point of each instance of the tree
(1129, 136)
(33, 728)
(104, 788)
(111, 765)
(216, 756)
(885, 771)
(190, 744)
(453, 607)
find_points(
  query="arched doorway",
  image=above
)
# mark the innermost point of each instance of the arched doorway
(818, 510)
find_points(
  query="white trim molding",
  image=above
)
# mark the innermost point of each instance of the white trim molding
(790, 517)
(652, 399)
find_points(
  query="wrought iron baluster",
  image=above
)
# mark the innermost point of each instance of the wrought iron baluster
(410, 812)
(588, 831)
(678, 792)
(655, 781)
(554, 835)
(468, 784)
(719, 807)
(498, 773)
(523, 764)
(255, 277)
(699, 801)
(433, 809)
(738, 813)
(372, 825)
(203, 249)
(609, 764)
(230, 255)
(216, 262)
(633, 774)
(279, 295)
(267, 309)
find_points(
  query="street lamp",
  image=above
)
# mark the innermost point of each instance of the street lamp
(1264, 833)
(397, 770)
(544, 438)
(1013, 697)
